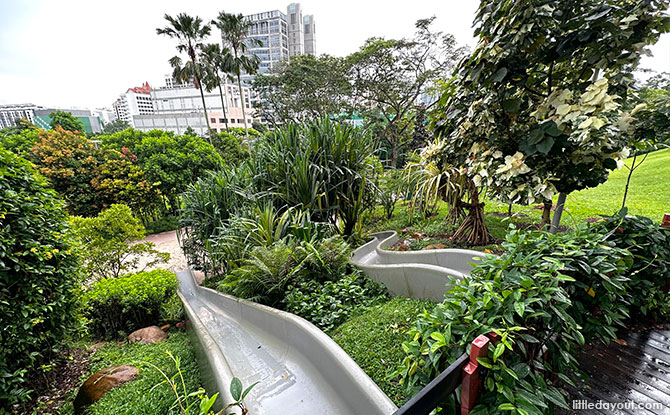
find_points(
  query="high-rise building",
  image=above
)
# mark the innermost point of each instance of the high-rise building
(135, 101)
(281, 36)
(310, 34)
(296, 35)
(271, 30)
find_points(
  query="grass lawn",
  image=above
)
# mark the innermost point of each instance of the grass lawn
(648, 196)
(373, 340)
(138, 397)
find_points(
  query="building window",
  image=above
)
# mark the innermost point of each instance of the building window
(240, 121)
(222, 120)
(212, 119)
(232, 120)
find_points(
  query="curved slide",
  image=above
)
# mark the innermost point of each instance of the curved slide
(413, 274)
(300, 369)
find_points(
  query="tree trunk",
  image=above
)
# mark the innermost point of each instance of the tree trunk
(473, 229)
(556, 220)
(244, 112)
(223, 105)
(630, 174)
(394, 154)
(546, 214)
(204, 107)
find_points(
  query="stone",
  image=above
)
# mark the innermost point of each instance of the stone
(435, 246)
(147, 335)
(96, 346)
(102, 382)
(165, 327)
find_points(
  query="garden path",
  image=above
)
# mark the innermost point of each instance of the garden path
(167, 242)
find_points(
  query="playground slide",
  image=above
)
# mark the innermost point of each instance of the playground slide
(413, 274)
(299, 368)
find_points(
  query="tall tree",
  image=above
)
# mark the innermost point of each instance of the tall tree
(535, 109)
(305, 88)
(190, 33)
(234, 29)
(66, 121)
(218, 62)
(115, 126)
(392, 74)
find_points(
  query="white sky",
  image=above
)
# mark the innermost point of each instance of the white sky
(83, 53)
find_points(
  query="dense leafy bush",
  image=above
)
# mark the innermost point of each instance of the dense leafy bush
(649, 244)
(229, 146)
(38, 274)
(91, 179)
(267, 272)
(321, 167)
(20, 139)
(557, 291)
(128, 303)
(109, 241)
(329, 304)
(162, 224)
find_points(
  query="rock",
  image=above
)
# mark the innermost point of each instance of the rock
(102, 382)
(165, 327)
(418, 236)
(147, 335)
(96, 346)
(435, 246)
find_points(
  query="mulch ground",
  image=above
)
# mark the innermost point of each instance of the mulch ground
(51, 390)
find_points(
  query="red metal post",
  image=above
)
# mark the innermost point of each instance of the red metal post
(471, 374)
(666, 220)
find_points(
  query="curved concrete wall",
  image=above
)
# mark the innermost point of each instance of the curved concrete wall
(300, 369)
(413, 274)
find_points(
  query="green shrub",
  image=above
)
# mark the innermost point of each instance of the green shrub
(38, 275)
(266, 273)
(328, 259)
(557, 291)
(230, 148)
(649, 243)
(329, 304)
(128, 303)
(109, 243)
(162, 224)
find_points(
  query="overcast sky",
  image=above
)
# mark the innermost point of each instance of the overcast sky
(83, 53)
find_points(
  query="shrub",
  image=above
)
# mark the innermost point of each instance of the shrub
(162, 224)
(329, 304)
(328, 259)
(38, 275)
(128, 303)
(557, 291)
(230, 148)
(266, 273)
(109, 243)
(320, 167)
(649, 244)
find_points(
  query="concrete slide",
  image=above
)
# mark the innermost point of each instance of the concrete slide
(300, 370)
(413, 274)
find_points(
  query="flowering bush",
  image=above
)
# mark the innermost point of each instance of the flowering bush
(38, 275)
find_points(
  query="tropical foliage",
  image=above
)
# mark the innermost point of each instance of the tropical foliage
(111, 243)
(39, 272)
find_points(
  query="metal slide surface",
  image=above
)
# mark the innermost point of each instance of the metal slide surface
(413, 274)
(299, 368)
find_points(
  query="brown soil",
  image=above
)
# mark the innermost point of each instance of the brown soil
(50, 392)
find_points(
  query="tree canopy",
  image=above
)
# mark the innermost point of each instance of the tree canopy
(66, 121)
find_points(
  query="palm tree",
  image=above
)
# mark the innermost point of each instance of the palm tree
(217, 63)
(190, 32)
(234, 30)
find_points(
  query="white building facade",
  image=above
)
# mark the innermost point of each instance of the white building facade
(178, 108)
(135, 101)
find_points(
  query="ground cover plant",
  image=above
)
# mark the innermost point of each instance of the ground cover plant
(142, 395)
(372, 339)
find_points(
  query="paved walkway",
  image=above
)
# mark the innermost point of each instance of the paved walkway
(167, 242)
